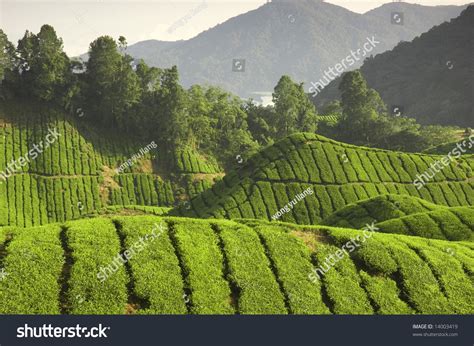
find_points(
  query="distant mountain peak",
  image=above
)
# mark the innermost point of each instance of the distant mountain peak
(296, 38)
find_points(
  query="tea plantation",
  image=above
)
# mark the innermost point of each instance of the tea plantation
(191, 266)
(76, 175)
(337, 173)
(220, 253)
(378, 209)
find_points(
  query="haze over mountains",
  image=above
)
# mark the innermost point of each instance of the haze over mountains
(301, 39)
(429, 78)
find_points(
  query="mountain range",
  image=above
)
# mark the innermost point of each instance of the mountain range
(429, 78)
(248, 54)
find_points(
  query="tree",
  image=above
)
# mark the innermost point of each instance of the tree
(44, 68)
(201, 125)
(293, 109)
(333, 108)
(360, 106)
(112, 87)
(7, 55)
(261, 122)
(217, 124)
(173, 120)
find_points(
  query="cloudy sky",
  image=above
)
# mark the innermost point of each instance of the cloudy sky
(80, 22)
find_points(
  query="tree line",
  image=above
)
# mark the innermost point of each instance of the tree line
(115, 91)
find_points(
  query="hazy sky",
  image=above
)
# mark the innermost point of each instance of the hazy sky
(80, 22)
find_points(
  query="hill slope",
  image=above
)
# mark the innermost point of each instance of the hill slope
(378, 209)
(336, 173)
(76, 175)
(408, 215)
(297, 38)
(455, 223)
(180, 266)
(430, 77)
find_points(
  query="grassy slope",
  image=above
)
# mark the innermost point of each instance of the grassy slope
(454, 223)
(407, 215)
(339, 174)
(378, 209)
(444, 149)
(251, 267)
(76, 175)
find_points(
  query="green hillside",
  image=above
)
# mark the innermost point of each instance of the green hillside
(378, 209)
(337, 173)
(226, 267)
(455, 223)
(76, 175)
(444, 149)
(421, 74)
(406, 215)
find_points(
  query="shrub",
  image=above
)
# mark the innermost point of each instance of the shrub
(292, 263)
(95, 245)
(156, 272)
(385, 294)
(202, 262)
(342, 283)
(33, 266)
(250, 271)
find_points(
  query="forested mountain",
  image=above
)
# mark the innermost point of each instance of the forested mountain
(297, 38)
(430, 78)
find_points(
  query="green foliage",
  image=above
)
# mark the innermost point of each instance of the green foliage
(365, 122)
(449, 146)
(418, 279)
(292, 263)
(450, 275)
(33, 266)
(7, 56)
(155, 269)
(294, 111)
(385, 294)
(359, 107)
(199, 250)
(179, 266)
(111, 86)
(378, 209)
(250, 271)
(339, 174)
(342, 283)
(95, 246)
(74, 176)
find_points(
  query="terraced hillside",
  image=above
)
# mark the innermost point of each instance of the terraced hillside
(444, 149)
(454, 223)
(76, 175)
(378, 209)
(179, 266)
(337, 173)
(407, 215)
